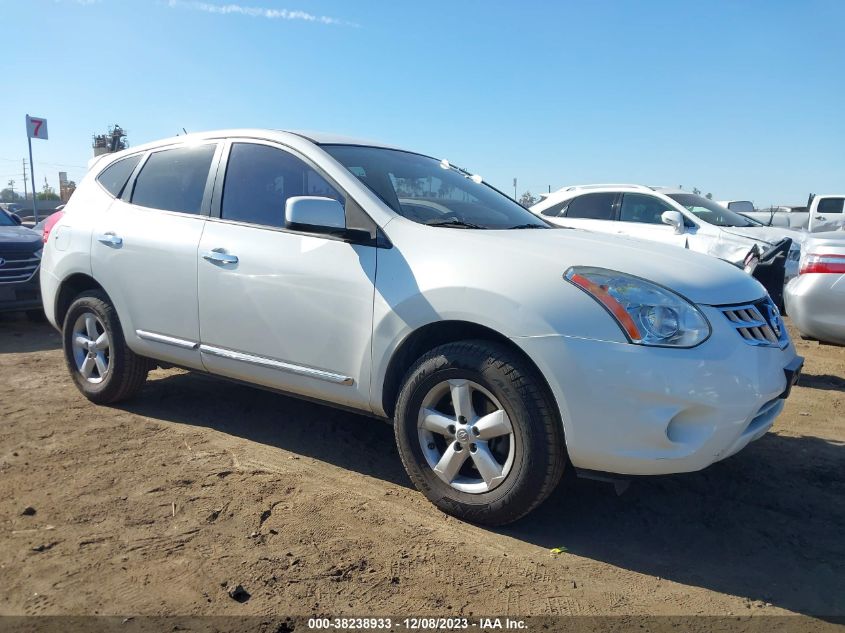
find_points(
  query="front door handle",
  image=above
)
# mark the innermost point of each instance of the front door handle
(220, 256)
(110, 239)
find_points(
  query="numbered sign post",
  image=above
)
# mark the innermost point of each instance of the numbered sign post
(36, 127)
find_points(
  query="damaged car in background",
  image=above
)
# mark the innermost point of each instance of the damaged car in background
(816, 298)
(683, 219)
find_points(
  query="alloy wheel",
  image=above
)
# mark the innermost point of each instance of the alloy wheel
(91, 347)
(466, 436)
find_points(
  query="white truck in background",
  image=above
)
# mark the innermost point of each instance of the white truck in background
(822, 213)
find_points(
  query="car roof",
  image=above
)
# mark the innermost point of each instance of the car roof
(319, 138)
(632, 186)
(667, 190)
(574, 189)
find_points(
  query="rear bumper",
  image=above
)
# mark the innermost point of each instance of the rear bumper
(25, 295)
(636, 410)
(816, 304)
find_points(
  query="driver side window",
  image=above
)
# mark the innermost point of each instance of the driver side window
(259, 181)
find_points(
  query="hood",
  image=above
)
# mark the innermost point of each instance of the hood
(768, 234)
(549, 253)
(19, 239)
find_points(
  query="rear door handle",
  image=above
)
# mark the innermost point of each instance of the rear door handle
(110, 239)
(220, 256)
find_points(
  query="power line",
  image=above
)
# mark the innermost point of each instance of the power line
(14, 160)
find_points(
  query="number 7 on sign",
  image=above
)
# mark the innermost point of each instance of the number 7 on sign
(36, 127)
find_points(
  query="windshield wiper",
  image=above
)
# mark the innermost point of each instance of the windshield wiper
(529, 226)
(458, 224)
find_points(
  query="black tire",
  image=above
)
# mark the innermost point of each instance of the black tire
(537, 430)
(127, 372)
(36, 316)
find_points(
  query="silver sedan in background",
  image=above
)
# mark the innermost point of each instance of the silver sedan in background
(815, 300)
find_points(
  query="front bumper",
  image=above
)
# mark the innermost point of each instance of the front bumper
(24, 295)
(638, 410)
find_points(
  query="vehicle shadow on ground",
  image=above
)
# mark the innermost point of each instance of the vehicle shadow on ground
(823, 381)
(355, 442)
(764, 525)
(18, 336)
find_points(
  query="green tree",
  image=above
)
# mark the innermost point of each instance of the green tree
(527, 199)
(7, 195)
(47, 193)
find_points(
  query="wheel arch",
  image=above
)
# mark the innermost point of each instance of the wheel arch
(431, 335)
(69, 289)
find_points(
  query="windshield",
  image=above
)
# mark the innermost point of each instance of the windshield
(432, 192)
(6, 219)
(709, 211)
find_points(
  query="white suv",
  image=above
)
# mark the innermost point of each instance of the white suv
(401, 286)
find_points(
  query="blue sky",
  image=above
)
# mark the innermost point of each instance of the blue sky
(741, 99)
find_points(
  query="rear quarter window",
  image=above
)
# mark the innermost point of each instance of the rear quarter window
(113, 178)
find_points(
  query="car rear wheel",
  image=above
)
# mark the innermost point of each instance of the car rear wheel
(102, 366)
(478, 433)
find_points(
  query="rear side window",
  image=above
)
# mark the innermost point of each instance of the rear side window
(556, 210)
(174, 179)
(114, 177)
(831, 205)
(741, 206)
(642, 208)
(260, 179)
(592, 206)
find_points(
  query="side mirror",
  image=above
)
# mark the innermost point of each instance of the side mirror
(314, 214)
(16, 218)
(675, 220)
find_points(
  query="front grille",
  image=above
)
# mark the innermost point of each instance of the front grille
(17, 267)
(758, 323)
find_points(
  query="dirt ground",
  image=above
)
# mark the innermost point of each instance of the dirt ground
(158, 505)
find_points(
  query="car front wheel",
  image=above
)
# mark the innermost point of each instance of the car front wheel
(101, 365)
(478, 433)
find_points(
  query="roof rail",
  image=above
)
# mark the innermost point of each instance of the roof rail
(605, 186)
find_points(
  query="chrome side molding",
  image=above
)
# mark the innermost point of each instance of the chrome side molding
(270, 363)
(167, 340)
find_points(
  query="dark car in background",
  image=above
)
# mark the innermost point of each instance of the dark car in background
(20, 258)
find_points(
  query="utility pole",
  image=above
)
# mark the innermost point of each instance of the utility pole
(514, 189)
(25, 194)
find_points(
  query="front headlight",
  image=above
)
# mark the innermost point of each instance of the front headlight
(648, 314)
